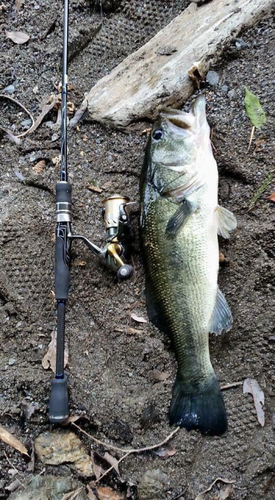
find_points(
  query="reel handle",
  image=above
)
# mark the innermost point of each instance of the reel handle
(125, 272)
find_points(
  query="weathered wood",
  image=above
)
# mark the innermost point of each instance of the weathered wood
(159, 72)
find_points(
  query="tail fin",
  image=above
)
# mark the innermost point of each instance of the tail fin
(202, 408)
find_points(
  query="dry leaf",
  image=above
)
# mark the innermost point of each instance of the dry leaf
(202, 495)
(223, 494)
(11, 440)
(39, 167)
(133, 331)
(112, 461)
(52, 101)
(97, 469)
(72, 494)
(96, 189)
(90, 493)
(138, 319)
(251, 386)
(79, 263)
(195, 75)
(72, 419)
(17, 36)
(165, 451)
(18, 5)
(272, 197)
(106, 493)
(49, 360)
(221, 257)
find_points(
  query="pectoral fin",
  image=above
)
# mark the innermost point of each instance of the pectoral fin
(221, 317)
(226, 221)
(180, 217)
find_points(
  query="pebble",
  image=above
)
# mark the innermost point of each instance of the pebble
(53, 487)
(154, 485)
(26, 123)
(58, 447)
(212, 78)
(10, 89)
(240, 44)
(231, 94)
(224, 88)
(11, 361)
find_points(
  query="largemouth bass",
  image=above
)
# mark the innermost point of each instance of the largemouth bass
(180, 222)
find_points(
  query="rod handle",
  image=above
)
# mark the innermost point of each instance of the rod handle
(59, 401)
(62, 271)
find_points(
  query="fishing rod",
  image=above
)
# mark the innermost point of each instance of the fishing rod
(116, 213)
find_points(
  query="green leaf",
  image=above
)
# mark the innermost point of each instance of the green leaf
(254, 109)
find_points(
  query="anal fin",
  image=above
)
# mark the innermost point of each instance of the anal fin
(226, 221)
(221, 317)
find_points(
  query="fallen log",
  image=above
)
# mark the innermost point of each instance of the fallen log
(165, 70)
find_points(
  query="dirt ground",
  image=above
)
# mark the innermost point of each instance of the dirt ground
(115, 373)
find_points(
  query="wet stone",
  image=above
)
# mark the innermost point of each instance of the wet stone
(212, 78)
(231, 94)
(154, 485)
(43, 488)
(224, 88)
(55, 448)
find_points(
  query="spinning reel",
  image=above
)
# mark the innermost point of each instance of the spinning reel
(116, 215)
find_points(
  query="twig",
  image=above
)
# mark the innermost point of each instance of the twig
(226, 481)
(251, 137)
(17, 471)
(112, 467)
(4, 96)
(72, 494)
(228, 386)
(132, 450)
(126, 452)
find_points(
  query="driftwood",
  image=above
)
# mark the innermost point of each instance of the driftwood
(165, 69)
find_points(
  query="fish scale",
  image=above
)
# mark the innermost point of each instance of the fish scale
(179, 225)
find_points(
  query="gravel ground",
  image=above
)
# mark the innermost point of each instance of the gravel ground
(121, 378)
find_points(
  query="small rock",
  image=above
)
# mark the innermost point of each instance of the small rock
(231, 94)
(57, 488)
(55, 448)
(10, 89)
(11, 361)
(54, 137)
(240, 44)
(224, 88)
(212, 78)
(26, 123)
(120, 431)
(153, 485)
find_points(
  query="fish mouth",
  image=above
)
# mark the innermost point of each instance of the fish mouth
(178, 118)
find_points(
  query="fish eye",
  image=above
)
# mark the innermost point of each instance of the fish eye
(157, 135)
